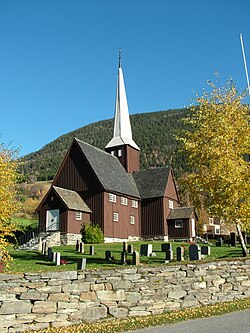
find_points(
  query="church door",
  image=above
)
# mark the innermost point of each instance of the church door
(52, 219)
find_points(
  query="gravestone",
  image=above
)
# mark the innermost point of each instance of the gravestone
(205, 250)
(220, 242)
(166, 247)
(81, 247)
(108, 255)
(40, 244)
(194, 252)
(91, 250)
(169, 255)
(123, 257)
(136, 258)
(50, 256)
(44, 248)
(233, 239)
(180, 253)
(146, 249)
(125, 247)
(130, 249)
(81, 264)
(77, 245)
(54, 256)
(58, 258)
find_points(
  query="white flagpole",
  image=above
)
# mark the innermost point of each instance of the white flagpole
(245, 63)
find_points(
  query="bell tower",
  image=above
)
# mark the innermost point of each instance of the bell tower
(122, 144)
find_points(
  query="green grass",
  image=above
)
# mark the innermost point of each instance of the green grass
(24, 224)
(31, 261)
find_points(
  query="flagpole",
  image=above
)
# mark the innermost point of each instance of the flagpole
(245, 63)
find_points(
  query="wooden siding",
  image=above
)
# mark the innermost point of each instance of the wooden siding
(129, 157)
(49, 204)
(122, 228)
(74, 226)
(75, 173)
(152, 220)
(94, 200)
(179, 233)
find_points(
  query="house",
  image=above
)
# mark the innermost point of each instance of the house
(109, 189)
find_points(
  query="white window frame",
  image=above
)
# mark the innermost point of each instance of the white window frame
(178, 224)
(78, 216)
(217, 230)
(132, 219)
(112, 153)
(211, 221)
(134, 204)
(170, 204)
(124, 201)
(119, 153)
(115, 217)
(112, 197)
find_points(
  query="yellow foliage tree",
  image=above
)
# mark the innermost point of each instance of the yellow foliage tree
(8, 203)
(217, 143)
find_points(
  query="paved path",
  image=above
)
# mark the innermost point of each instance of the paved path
(235, 322)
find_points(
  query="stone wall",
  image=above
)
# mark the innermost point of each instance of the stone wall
(33, 301)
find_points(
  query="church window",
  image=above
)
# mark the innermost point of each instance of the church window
(112, 197)
(178, 224)
(124, 201)
(115, 217)
(119, 153)
(134, 204)
(132, 219)
(78, 216)
(170, 204)
(113, 153)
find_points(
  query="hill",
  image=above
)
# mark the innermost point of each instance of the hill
(153, 132)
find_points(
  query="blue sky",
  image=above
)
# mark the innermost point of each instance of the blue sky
(58, 59)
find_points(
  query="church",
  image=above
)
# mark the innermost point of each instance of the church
(108, 188)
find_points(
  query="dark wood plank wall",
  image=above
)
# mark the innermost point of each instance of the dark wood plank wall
(184, 232)
(122, 228)
(53, 204)
(152, 218)
(94, 200)
(75, 226)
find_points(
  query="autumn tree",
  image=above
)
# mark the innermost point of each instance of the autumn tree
(217, 143)
(8, 204)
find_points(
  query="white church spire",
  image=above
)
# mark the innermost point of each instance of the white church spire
(122, 128)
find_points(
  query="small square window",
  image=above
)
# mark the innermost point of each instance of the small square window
(78, 216)
(115, 217)
(178, 224)
(112, 153)
(217, 231)
(134, 204)
(170, 204)
(124, 201)
(132, 219)
(112, 197)
(119, 153)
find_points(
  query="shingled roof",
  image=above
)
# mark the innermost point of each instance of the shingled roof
(109, 171)
(181, 213)
(72, 200)
(152, 183)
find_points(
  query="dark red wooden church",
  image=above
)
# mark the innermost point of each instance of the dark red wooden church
(109, 189)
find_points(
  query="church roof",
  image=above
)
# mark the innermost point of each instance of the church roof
(122, 128)
(152, 183)
(72, 199)
(181, 213)
(109, 171)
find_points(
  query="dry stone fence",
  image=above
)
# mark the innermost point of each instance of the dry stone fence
(33, 301)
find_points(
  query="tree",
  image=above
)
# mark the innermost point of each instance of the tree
(8, 203)
(217, 141)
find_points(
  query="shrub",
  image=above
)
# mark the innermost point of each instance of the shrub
(92, 234)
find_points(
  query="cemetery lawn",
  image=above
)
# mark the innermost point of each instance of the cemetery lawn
(32, 261)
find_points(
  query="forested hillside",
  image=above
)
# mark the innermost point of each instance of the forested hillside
(153, 132)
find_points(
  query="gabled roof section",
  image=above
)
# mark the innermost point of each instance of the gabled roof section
(109, 171)
(72, 199)
(181, 213)
(122, 128)
(152, 183)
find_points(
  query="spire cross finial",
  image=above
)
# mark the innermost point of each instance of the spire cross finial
(120, 57)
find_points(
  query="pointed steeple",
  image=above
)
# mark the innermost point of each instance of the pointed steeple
(122, 134)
